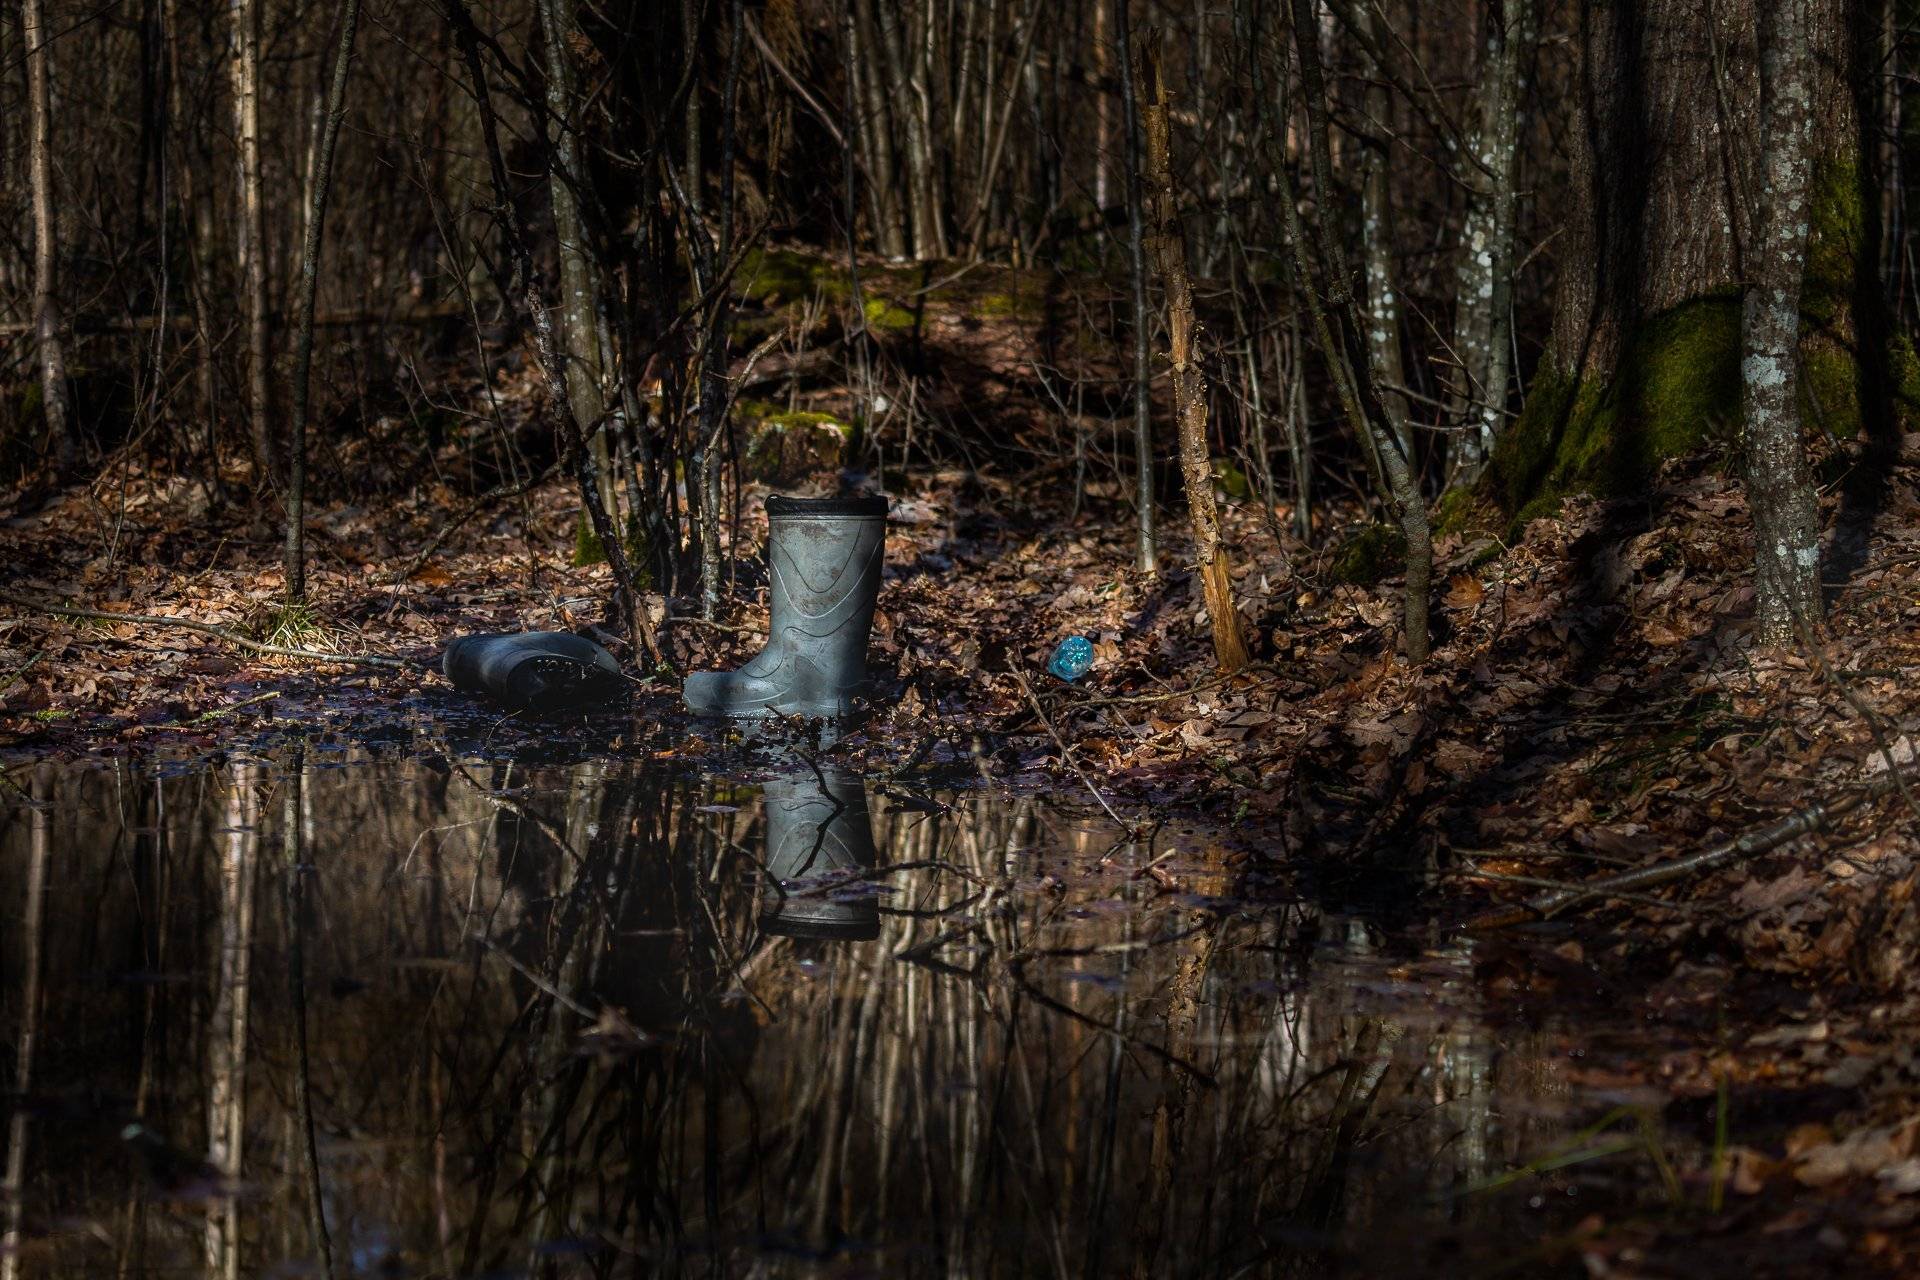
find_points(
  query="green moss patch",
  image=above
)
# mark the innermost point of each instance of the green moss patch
(1377, 551)
(1677, 386)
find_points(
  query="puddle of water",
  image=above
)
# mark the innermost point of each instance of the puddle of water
(604, 1019)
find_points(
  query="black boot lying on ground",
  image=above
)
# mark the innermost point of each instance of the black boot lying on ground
(819, 846)
(824, 557)
(534, 670)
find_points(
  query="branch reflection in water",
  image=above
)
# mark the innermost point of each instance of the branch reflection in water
(611, 1020)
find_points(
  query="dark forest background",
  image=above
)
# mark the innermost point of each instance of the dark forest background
(1497, 249)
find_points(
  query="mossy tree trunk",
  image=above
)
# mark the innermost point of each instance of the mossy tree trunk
(1660, 240)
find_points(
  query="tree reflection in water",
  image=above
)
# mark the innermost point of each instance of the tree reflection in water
(614, 1020)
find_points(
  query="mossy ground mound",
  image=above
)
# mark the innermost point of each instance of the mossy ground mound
(895, 298)
(1677, 387)
(1377, 551)
(784, 447)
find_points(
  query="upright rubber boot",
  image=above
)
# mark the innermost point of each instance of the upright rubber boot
(534, 670)
(823, 561)
(819, 842)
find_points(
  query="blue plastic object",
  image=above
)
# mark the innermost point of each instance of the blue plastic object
(1072, 658)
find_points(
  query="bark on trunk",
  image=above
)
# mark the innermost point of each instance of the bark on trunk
(1786, 521)
(1376, 243)
(715, 393)
(46, 246)
(251, 233)
(296, 552)
(1148, 555)
(579, 284)
(909, 97)
(1189, 384)
(196, 214)
(1664, 231)
(889, 219)
(1482, 333)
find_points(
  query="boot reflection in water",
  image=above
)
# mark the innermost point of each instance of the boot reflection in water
(819, 845)
(824, 557)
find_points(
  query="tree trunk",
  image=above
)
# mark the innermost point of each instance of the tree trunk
(579, 284)
(1376, 247)
(1338, 322)
(196, 216)
(251, 234)
(876, 127)
(715, 394)
(1668, 221)
(1102, 105)
(1189, 384)
(296, 553)
(1786, 517)
(1483, 275)
(908, 97)
(1137, 270)
(558, 408)
(47, 330)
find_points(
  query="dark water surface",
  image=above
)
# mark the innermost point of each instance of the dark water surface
(559, 1021)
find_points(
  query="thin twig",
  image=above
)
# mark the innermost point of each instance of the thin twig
(1750, 844)
(20, 674)
(1066, 753)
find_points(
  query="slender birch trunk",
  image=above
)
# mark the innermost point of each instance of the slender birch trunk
(1376, 223)
(1786, 516)
(1483, 274)
(296, 554)
(1189, 384)
(47, 327)
(251, 234)
(1148, 559)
